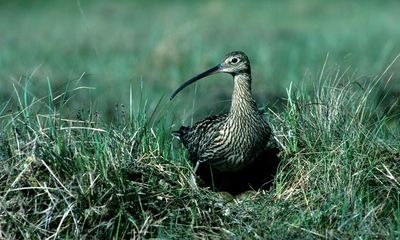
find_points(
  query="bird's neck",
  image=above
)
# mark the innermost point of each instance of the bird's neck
(243, 103)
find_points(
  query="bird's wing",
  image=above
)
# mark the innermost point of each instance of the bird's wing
(201, 134)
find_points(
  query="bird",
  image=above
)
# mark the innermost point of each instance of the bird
(232, 141)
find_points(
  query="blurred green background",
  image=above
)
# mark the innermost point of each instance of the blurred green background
(153, 46)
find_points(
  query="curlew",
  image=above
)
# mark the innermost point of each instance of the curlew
(231, 141)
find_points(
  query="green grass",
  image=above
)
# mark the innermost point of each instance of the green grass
(85, 122)
(162, 44)
(81, 178)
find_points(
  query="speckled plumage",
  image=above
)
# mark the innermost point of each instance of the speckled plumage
(232, 141)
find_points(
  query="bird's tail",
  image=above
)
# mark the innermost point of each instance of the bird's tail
(181, 132)
(176, 134)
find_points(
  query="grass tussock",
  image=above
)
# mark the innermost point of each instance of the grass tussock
(81, 178)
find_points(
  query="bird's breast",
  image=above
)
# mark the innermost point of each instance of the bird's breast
(237, 145)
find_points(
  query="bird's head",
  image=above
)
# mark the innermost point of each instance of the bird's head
(234, 63)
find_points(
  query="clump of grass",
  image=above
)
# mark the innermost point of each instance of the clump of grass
(81, 178)
(340, 171)
(77, 178)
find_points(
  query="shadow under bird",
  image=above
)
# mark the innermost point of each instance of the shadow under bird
(233, 141)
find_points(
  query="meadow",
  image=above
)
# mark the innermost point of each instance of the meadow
(86, 149)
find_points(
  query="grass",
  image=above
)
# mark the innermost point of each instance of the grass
(85, 144)
(80, 178)
(286, 42)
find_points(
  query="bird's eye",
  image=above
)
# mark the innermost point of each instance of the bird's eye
(234, 60)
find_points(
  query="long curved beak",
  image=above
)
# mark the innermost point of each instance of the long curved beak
(209, 72)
